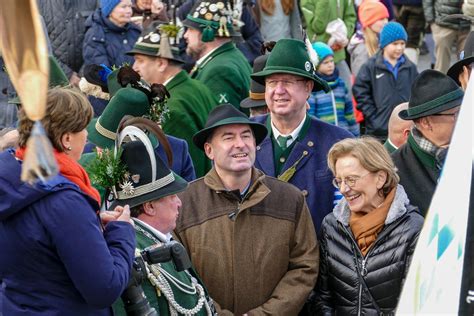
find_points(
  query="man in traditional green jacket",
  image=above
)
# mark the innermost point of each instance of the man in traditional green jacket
(150, 188)
(219, 64)
(157, 61)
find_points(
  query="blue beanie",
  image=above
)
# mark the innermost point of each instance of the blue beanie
(107, 6)
(392, 32)
(323, 50)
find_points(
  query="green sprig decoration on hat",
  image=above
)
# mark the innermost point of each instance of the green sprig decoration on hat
(171, 30)
(159, 111)
(107, 170)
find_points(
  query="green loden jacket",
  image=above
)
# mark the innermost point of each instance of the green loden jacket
(189, 105)
(158, 299)
(226, 73)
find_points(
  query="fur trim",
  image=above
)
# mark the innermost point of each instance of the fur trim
(92, 89)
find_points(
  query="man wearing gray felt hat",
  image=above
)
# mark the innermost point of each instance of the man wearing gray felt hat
(434, 107)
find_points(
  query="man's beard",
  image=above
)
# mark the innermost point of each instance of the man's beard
(195, 52)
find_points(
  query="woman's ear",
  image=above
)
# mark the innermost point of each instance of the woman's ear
(66, 141)
(381, 179)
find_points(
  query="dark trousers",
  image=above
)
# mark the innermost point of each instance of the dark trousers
(413, 20)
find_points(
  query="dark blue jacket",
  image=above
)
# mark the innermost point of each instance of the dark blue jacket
(312, 174)
(377, 92)
(182, 163)
(107, 43)
(55, 259)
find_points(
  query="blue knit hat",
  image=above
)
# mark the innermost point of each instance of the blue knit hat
(107, 6)
(323, 50)
(391, 32)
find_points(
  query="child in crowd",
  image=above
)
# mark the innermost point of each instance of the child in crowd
(372, 17)
(334, 107)
(384, 81)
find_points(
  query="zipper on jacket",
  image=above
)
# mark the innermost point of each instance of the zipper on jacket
(363, 268)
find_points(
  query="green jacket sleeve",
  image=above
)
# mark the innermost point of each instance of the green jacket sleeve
(316, 14)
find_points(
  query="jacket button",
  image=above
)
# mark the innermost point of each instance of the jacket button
(258, 147)
(305, 193)
(310, 144)
(305, 153)
(282, 159)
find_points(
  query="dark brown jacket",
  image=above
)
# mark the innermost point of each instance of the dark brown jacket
(257, 256)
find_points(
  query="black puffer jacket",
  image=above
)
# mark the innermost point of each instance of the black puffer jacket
(436, 11)
(342, 266)
(65, 21)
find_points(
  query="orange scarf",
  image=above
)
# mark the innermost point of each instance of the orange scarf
(366, 226)
(268, 6)
(72, 170)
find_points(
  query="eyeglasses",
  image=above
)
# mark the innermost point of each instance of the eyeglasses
(349, 181)
(285, 83)
(453, 115)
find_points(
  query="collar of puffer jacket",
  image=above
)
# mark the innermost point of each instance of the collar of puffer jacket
(397, 209)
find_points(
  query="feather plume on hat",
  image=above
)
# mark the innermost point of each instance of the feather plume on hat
(313, 56)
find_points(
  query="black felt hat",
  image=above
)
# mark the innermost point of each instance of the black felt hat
(257, 91)
(226, 114)
(148, 178)
(432, 92)
(467, 57)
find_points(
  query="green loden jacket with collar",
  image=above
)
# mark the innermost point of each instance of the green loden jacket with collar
(189, 105)
(257, 254)
(226, 73)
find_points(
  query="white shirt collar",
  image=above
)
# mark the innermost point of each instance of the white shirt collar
(203, 58)
(162, 237)
(294, 134)
(388, 140)
(169, 79)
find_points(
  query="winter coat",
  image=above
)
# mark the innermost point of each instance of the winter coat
(65, 23)
(377, 92)
(252, 39)
(226, 73)
(182, 162)
(256, 255)
(318, 14)
(418, 173)
(107, 43)
(436, 11)
(334, 107)
(312, 174)
(56, 259)
(8, 111)
(340, 289)
(189, 105)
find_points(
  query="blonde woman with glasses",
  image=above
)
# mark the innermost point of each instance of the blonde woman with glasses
(368, 240)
